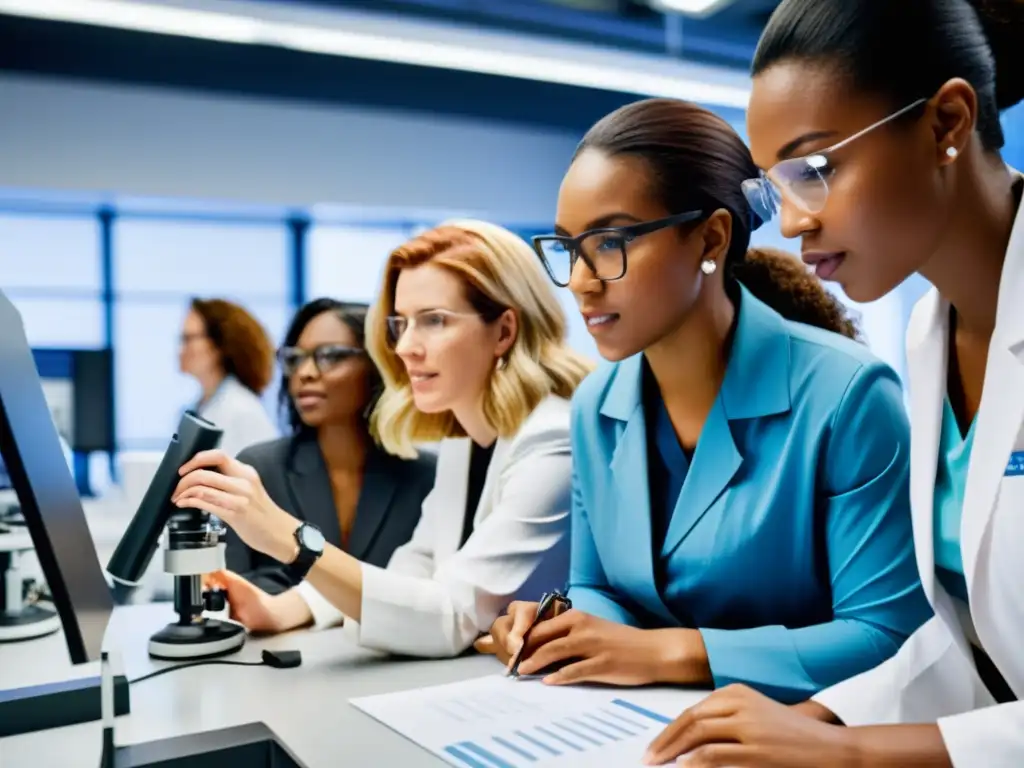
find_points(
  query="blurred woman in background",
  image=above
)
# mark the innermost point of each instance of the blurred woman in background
(328, 471)
(228, 352)
(470, 340)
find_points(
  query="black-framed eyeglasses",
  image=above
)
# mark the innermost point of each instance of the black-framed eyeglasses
(325, 357)
(603, 250)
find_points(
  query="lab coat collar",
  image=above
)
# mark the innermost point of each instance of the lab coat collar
(998, 423)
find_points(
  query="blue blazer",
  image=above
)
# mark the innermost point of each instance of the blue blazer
(790, 545)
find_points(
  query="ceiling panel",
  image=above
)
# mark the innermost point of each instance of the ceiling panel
(727, 37)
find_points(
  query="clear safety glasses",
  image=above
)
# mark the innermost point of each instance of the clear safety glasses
(803, 181)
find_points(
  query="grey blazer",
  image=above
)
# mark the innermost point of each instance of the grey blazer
(294, 473)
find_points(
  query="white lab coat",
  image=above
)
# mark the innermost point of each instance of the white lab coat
(933, 678)
(435, 599)
(241, 414)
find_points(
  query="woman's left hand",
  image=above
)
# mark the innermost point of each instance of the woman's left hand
(216, 483)
(594, 650)
(741, 728)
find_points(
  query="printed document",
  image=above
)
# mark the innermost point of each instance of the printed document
(502, 722)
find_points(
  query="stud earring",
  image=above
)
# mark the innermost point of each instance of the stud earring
(708, 266)
(951, 152)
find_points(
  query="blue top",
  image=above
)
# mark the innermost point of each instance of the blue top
(667, 468)
(790, 544)
(950, 481)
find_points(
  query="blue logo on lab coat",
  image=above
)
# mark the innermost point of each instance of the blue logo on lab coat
(1016, 464)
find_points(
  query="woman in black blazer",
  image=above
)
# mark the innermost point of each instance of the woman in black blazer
(329, 471)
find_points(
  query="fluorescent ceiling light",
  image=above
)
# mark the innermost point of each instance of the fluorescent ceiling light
(383, 38)
(689, 7)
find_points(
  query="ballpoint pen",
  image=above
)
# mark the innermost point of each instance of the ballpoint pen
(553, 603)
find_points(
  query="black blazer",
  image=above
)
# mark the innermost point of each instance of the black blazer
(294, 473)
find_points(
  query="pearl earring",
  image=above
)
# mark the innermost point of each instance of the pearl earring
(951, 152)
(708, 266)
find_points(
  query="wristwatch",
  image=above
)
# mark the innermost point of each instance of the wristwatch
(311, 545)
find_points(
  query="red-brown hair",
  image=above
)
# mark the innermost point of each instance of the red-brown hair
(246, 350)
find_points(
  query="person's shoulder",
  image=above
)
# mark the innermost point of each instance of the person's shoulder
(420, 469)
(547, 426)
(817, 353)
(239, 395)
(593, 388)
(826, 368)
(270, 453)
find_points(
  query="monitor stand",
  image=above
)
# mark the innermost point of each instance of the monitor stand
(53, 705)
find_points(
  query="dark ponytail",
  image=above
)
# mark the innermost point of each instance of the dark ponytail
(1003, 22)
(698, 161)
(906, 49)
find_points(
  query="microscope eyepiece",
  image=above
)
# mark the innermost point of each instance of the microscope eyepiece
(140, 540)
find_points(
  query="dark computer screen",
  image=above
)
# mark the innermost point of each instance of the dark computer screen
(48, 497)
(79, 388)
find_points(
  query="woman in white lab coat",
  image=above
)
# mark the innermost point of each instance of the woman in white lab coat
(876, 124)
(470, 340)
(227, 351)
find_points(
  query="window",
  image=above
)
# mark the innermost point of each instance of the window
(159, 266)
(203, 258)
(61, 322)
(52, 273)
(346, 262)
(50, 252)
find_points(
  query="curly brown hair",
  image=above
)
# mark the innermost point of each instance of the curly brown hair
(245, 347)
(779, 280)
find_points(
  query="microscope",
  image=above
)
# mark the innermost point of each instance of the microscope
(193, 546)
(21, 616)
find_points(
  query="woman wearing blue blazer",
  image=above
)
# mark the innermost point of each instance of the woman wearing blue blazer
(740, 508)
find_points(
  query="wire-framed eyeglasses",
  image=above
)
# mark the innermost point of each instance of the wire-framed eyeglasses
(603, 250)
(429, 322)
(804, 180)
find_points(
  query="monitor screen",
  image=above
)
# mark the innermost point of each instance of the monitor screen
(38, 472)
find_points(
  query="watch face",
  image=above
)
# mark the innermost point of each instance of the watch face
(312, 538)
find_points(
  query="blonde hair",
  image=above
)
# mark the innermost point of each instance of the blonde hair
(499, 272)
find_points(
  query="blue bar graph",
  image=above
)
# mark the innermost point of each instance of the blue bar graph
(511, 747)
(608, 724)
(603, 731)
(620, 721)
(537, 743)
(465, 759)
(490, 758)
(641, 711)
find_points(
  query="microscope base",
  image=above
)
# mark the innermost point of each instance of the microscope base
(206, 640)
(30, 622)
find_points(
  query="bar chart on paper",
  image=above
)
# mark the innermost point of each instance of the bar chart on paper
(497, 722)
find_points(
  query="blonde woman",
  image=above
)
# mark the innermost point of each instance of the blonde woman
(470, 340)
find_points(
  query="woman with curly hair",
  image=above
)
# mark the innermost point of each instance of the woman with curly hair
(740, 503)
(228, 352)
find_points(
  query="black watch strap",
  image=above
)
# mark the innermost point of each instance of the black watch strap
(311, 547)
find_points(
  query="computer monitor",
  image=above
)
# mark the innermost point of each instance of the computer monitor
(79, 388)
(50, 504)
